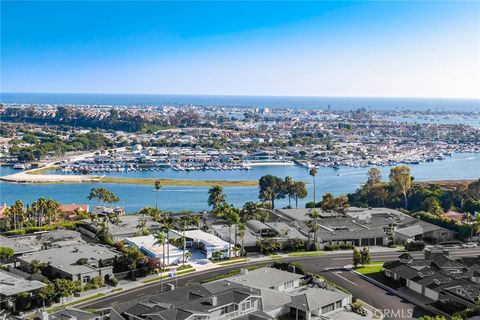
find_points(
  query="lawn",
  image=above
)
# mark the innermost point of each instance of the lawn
(230, 261)
(374, 267)
(43, 170)
(306, 254)
(182, 182)
(165, 275)
(96, 296)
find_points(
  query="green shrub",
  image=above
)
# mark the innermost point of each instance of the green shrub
(113, 281)
(336, 247)
(183, 267)
(95, 283)
(71, 225)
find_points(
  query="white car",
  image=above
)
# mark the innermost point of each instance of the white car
(469, 245)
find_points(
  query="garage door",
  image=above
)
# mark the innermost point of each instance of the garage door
(415, 287)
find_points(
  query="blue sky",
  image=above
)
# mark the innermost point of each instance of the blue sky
(385, 48)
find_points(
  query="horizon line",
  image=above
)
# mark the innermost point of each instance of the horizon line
(248, 95)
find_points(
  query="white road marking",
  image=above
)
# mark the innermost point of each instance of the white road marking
(343, 278)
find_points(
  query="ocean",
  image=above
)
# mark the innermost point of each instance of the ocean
(336, 103)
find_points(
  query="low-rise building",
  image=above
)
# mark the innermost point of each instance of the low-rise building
(127, 226)
(69, 211)
(148, 245)
(11, 285)
(264, 293)
(361, 226)
(42, 240)
(438, 277)
(82, 262)
(207, 243)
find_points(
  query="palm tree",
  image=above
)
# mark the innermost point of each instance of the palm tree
(157, 190)
(195, 220)
(313, 224)
(167, 226)
(40, 207)
(142, 223)
(216, 197)
(154, 213)
(289, 189)
(16, 214)
(160, 241)
(313, 173)
(52, 208)
(241, 232)
(233, 219)
(468, 219)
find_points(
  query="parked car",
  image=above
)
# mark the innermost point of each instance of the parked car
(469, 245)
(415, 246)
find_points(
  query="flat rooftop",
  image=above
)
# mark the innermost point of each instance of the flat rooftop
(128, 225)
(36, 241)
(148, 244)
(11, 284)
(207, 238)
(65, 258)
(301, 214)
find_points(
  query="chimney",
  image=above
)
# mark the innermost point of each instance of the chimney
(427, 253)
(430, 251)
(243, 271)
(213, 300)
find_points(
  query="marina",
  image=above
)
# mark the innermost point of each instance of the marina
(176, 198)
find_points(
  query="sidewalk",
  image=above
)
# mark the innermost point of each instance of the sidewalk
(199, 266)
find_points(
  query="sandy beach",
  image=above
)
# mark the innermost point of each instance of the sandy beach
(26, 177)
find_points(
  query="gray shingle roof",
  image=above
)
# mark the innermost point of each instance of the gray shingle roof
(264, 278)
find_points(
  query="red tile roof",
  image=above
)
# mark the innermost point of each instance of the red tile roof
(73, 207)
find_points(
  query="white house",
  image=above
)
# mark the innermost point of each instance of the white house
(206, 242)
(146, 244)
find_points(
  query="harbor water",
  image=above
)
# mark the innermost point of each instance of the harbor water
(176, 198)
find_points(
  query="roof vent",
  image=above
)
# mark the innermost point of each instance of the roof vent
(213, 301)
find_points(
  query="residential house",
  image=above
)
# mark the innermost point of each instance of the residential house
(264, 293)
(438, 277)
(82, 262)
(12, 285)
(147, 244)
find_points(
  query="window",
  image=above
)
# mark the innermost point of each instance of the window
(247, 305)
(338, 304)
(86, 279)
(224, 310)
(328, 308)
(289, 284)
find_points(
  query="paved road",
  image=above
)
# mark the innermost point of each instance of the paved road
(392, 306)
(360, 288)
